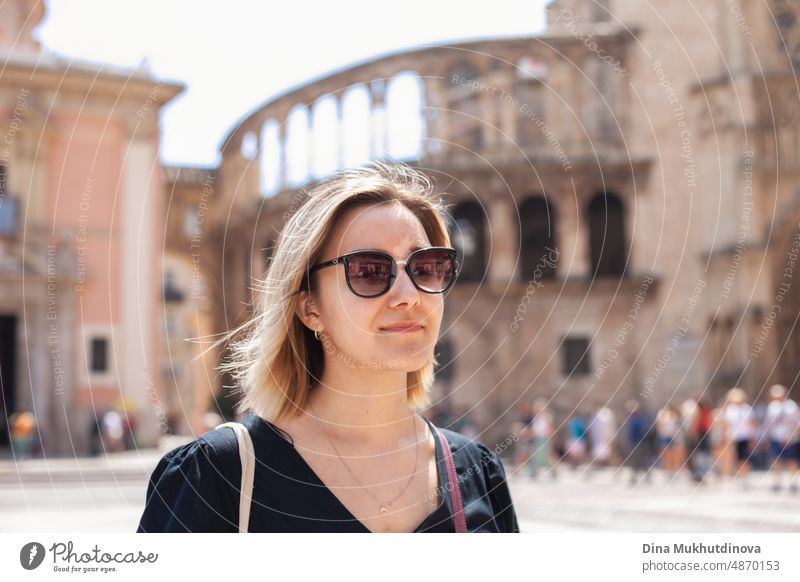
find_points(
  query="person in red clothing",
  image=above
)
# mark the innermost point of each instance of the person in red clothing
(700, 439)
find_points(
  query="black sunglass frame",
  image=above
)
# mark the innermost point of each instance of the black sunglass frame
(345, 259)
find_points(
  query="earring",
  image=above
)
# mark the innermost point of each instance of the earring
(316, 335)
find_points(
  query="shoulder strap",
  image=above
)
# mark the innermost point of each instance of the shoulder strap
(455, 488)
(247, 456)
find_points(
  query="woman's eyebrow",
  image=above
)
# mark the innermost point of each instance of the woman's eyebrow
(411, 250)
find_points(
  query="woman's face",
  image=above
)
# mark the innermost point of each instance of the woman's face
(356, 329)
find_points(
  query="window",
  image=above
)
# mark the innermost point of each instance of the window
(249, 145)
(325, 136)
(576, 356)
(608, 245)
(98, 355)
(298, 141)
(356, 108)
(539, 257)
(468, 233)
(404, 123)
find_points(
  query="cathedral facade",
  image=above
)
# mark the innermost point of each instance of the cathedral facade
(623, 194)
(623, 197)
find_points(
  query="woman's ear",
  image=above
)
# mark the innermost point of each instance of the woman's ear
(307, 310)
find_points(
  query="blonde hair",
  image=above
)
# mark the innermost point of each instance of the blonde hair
(277, 359)
(736, 395)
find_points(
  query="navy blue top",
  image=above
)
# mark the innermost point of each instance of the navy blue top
(195, 488)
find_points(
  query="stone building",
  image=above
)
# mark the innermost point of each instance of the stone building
(81, 216)
(623, 192)
(623, 196)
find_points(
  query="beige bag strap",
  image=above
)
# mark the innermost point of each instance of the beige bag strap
(247, 456)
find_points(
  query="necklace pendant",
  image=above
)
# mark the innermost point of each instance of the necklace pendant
(384, 508)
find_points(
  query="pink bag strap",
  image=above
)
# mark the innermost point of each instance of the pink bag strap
(454, 488)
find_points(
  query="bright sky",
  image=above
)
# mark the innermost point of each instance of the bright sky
(234, 55)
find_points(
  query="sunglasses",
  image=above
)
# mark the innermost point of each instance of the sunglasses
(372, 273)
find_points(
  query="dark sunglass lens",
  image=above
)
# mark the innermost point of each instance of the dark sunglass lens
(369, 274)
(432, 270)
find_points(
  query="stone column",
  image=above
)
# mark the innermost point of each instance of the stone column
(504, 236)
(435, 116)
(572, 231)
(139, 347)
(283, 162)
(378, 131)
(507, 113)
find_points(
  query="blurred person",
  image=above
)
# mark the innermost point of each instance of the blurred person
(782, 426)
(760, 446)
(722, 448)
(522, 427)
(129, 426)
(639, 435)
(113, 431)
(576, 441)
(22, 427)
(667, 429)
(5, 436)
(700, 420)
(741, 430)
(601, 429)
(541, 431)
(95, 433)
(685, 414)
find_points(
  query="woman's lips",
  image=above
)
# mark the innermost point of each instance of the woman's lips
(403, 329)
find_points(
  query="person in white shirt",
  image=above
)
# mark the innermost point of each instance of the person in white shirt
(602, 430)
(782, 426)
(741, 429)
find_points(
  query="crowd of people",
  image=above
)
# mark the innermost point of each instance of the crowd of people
(693, 438)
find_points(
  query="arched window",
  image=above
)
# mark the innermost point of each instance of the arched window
(355, 125)
(249, 145)
(297, 145)
(269, 166)
(537, 239)
(405, 125)
(607, 245)
(324, 136)
(468, 234)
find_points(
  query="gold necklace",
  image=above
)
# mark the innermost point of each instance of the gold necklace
(383, 505)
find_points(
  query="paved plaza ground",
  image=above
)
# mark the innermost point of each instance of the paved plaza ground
(107, 494)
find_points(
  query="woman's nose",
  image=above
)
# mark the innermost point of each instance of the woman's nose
(403, 289)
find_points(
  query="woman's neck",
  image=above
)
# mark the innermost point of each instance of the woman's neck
(363, 405)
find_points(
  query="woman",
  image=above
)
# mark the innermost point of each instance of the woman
(332, 369)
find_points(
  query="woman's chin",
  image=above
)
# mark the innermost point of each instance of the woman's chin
(396, 362)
